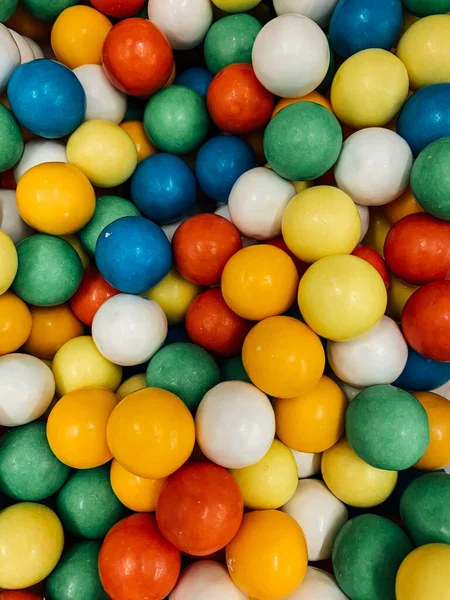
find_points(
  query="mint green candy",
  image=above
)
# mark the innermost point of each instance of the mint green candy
(48, 10)
(7, 8)
(11, 141)
(424, 8)
(232, 369)
(430, 179)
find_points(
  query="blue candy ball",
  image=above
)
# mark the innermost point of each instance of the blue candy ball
(360, 24)
(133, 254)
(422, 374)
(220, 162)
(197, 78)
(425, 117)
(47, 98)
(164, 188)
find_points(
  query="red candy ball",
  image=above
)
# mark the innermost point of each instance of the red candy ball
(202, 246)
(92, 293)
(417, 249)
(137, 57)
(374, 259)
(136, 562)
(119, 9)
(281, 244)
(18, 595)
(211, 324)
(237, 102)
(426, 320)
(200, 509)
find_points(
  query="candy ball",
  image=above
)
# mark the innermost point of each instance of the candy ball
(312, 97)
(136, 131)
(374, 259)
(136, 493)
(11, 222)
(27, 387)
(320, 12)
(437, 455)
(47, 98)
(206, 579)
(398, 294)
(25, 51)
(184, 25)
(369, 88)
(423, 374)
(103, 100)
(196, 78)
(429, 180)
(424, 574)
(308, 463)
(174, 294)
(37, 152)
(119, 9)
(423, 8)
(10, 56)
(233, 6)
(291, 56)
(9, 260)
(91, 294)
(317, 583)
(11, 144)
(15, 323)
(235, 424)
(19, 595)
(404, 205)
(42, 10)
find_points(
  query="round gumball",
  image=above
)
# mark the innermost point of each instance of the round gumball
(184, 25)
(223, 211)
(404, 205)
(317, 584)
(374, 259)
(25, 50)
(119, 9)
(11, 144)
(196, 78)
(27, 388)
(320, 12)
(174, 294)
(9, 260)
(19, 595)
(279, 242)
(103, 100)
(424, 8)
(308, 463)
(130, 385)
(203, 580)
(137, 57)
(429, 179)
(437, 408)
(11, 222)
(7, 10)
(398, 294)
(312, 97)
(424, 574)
(31, 542)
(136, 493)
(10, 56)
(91, 294)
(378, 230)
(42, 10)
(47, 98)
(232, 369)
(37, 152)
(15, 323)
(136, 131)
(35, 48)
(423, 374)
(268, 557)
(202, 246)
(235, 6)
(136, 559)
(237, 102)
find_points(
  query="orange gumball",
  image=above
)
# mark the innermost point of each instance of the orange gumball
(437, 408)
(15, 323)
(404, 205)
(312, 97)
(136, 131)
(136, 493)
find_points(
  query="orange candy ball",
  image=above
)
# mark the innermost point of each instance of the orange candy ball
(312, 97)
(15, 323)
(136, 131)
(404, 205)
(136, 493)
(437, 408)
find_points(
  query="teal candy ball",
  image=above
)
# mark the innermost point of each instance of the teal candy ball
(7, 8)
(11, 141)
(232, 369)
(303, 141)
(48, 10)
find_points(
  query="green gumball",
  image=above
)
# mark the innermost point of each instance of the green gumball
(11, 141)
(48, 10)
(424, 8)
(303, 141)
(232, 369)
(430, 179)
(7, 8)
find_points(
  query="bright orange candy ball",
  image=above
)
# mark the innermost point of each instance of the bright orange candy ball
(136, 493)
(268, 557)
(404, 205)
(437, 408)
(136, 131)
(312, 97)
(15, 323)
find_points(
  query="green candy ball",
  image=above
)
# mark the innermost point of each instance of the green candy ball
(176, 120)
(230, 40)
(232, 369)
(7, 8)
(424, 8)
(425, 509)
(48, 10)
(11, 141)
(303, 141)
(107, 210)
(430, 179)
(87, 505)
(184, 369)
(387, 428)
(50, 271)
(29, 471)
(76, 575)
(366, 556)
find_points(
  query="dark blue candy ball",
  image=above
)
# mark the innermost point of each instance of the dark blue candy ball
(47, 98)
(220, 162)
(133, 254)
(197, 78)
(422, 374)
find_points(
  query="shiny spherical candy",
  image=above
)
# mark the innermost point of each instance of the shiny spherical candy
(184, 25)
(404, 205)
(174, 294)
(206, 579)
(137, 57)
(308, 463)
(320, 515)
(7, 10)
(103, 100)
(423, 8)
(233, 6)
(319, 11)
(78, 35)
(303, 141)
(423, 575)
(31, 543)
(423, 374)
(237, 102)
(10, 56)
(398, 294)
(426, 322)
(429, 180)
(235, 424)
(10, 221)
(91, 294)
(15, 323)
(9, 260)
(312, 97)
(369, 89)
(365, 155)
(136, 131)
(133, 254)
(136, 493)
(45, 11)
(374, 259)
(424, 50)
(130, 385)
(366, 556)
(196, 78)
(317, 584)
(19, 595)
(27, 387)
(119, 9)
(11, 144)
(47, 98)
(25, 51)
(37, 152)
(268, 557)
(437, 455)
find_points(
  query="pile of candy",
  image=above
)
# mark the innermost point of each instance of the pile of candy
(225, 299)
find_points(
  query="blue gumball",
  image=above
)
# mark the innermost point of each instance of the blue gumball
(425, 117)
(47, 98)
(422, 374)
(361, 24)
(133, 254)
(197, 78)
(164, 188)
(220, 162)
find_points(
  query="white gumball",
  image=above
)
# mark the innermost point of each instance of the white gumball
(25, 50)
(319, 11)
(374, 358)
(103, 100)
(235, 424)
(319, 513)
(206, 580)
(444, 390)
(37, 152)
(10, 220)
(37, 50)
(317, 585)
(128, 329)
(308, 464)
(374, 166)
(184, 23)
(350, 391)
(223, 211)
(291, 56)
(27, 388)
(257, 202)
(364, 215)
(170, 229)
(9, 56)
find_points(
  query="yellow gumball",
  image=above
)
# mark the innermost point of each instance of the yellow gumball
(235, 6)
(31, 543)
(352, 480)
(174, 294)
(321, 221)
(103, 151)
(425, 51)
(369, 88)
(399, 292)
(136, 493)
(424, 574)
(341, 297)
(379, 227)
(130, 385)
(8, 262)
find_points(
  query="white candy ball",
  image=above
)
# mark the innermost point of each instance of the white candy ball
(9, 56)
(25, 50)
(291, 56)
(350, 392)
(319, 513)
(364, 215)
(37, 152)
(184, 23)
(235, 424)
(308, 464)
(374, 358)
(27, 387)
(317, 585)
(103, 100)
(128, 329)
(374, 166)
(223, 211)
(37, 50)
(170, 229)
(10, 220)
(206, 580)
(257, 202)
(319, 11)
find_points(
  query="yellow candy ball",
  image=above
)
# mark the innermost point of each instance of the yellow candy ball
(136, 493)
(235, 6)
(399, 292)
(369, 88)
(174, 294)
(424, 574)
(8, 262)
(379, 227)
(130, 385)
